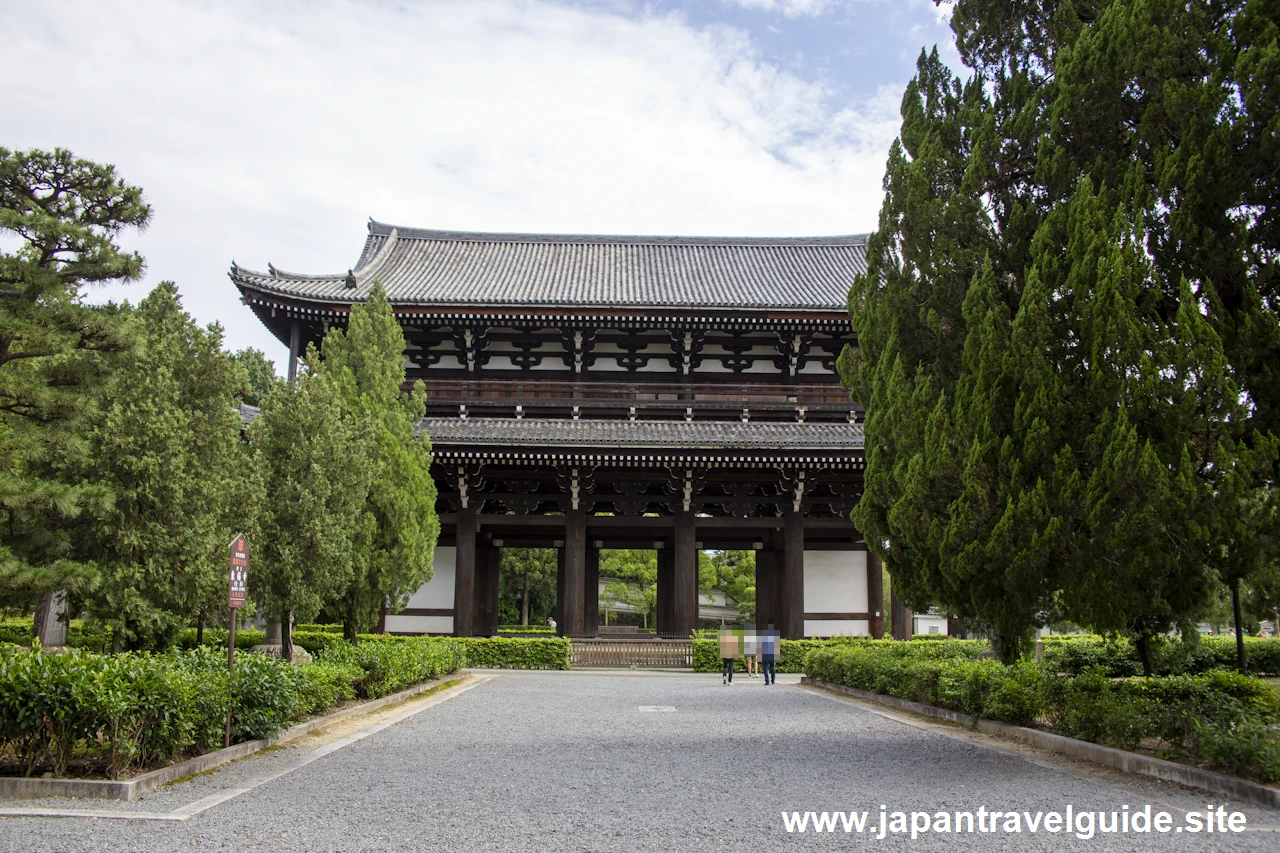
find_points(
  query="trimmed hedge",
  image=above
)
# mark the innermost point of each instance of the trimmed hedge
(518, 652)
(1073, 654)
(793, 653)
(117, 713)
(1218, 719)
(526, 629)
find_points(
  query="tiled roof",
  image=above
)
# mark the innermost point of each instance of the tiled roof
(456, 268)
(643, 435)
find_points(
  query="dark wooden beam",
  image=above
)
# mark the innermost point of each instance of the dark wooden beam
(666, 591)
(575, 573)
(875, 594)
(792, 587)
(768, 565)
(591, 604)
(464, 579)
(685, 576)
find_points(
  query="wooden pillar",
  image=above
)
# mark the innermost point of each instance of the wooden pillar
(486, 607)
(575, 572)
(666, 591)
(791, 592)
(685, 576)
(295, 348)
(464, 580)
(557, 612)
(875, 595)
(591, 603)
(768, 561)
(902, 616)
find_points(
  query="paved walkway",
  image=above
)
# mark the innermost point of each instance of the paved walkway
(583, 761)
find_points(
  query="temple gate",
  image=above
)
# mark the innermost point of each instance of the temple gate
(589, 392)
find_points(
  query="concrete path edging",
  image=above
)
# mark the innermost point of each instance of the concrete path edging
(22, 788)
(1119, 759)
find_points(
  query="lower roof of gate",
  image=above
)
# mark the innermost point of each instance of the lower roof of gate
(643, 435)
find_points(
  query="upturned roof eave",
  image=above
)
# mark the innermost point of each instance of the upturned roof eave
(251, 280)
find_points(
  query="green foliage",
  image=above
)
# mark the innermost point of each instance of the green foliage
(396, 530)
(734, 574)
(636, 587)
(1117, 657)
(168, 446)
(122, 713)
(1218, 719)
(527, 576)
(64, 215)
(387, 667)
(260, 377)
(526, 629)
(1067, 336)
(316, 480)
(518, 653)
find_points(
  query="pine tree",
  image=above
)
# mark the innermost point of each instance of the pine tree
(395, 537)
(55, 353)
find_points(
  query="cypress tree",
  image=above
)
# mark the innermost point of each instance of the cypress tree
(395, 536)
(1082, 423)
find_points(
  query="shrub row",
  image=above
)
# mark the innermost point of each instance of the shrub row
(1074, 654)
(518, 653)
(117, 713)
(792, 653)
(526, 629)
(1218, 719)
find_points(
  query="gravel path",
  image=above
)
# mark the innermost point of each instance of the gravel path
(569, 762)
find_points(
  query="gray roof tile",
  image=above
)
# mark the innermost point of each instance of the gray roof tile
(643, 435)
(444, 268)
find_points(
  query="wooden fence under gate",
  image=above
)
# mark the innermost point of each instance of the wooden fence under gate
(632, 654)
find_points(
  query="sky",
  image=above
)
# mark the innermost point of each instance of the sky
(273, 131)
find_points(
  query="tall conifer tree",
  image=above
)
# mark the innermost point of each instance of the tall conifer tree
(55, 351)
(395, 537)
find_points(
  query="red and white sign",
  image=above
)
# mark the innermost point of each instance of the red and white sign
(237, 591)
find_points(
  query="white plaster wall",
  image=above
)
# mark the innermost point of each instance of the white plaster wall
(836, 628)
(420, 624)
(835, 582)
(930, 625)
(436, 593)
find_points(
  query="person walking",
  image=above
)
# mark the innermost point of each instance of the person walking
(729, 646)
(751, 649)
(769, 655)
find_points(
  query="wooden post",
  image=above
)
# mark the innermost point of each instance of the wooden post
(684, 585)
(792, 587)
(231, 667)
(666, 591)
(295, 348)
(575, 571)
(591, 604)
(767, 585)
(486, 618)
(464, 580)
(875, 595)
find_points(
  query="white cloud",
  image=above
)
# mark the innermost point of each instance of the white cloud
(272, 131)
(790, 8)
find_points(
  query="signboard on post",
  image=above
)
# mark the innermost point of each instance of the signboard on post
(237, 591)
(238, 586)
